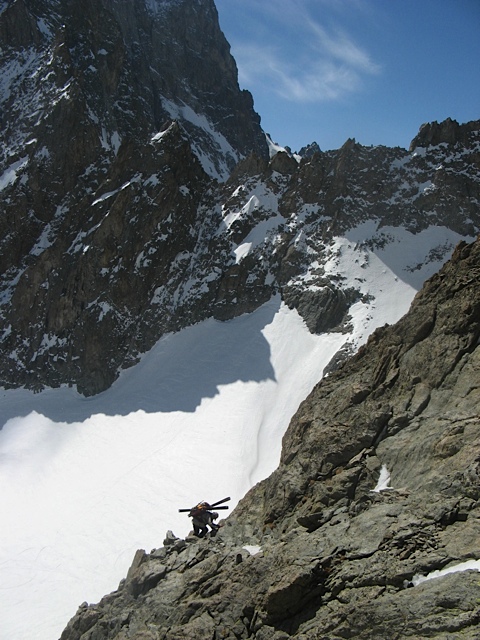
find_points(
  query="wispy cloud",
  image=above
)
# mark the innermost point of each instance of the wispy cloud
(340, 47)
(302, 59)
(318, 80)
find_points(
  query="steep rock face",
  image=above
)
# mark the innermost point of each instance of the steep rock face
(157, 245)
(119, 70)
(72, 285)
(332, 557)
(80, 81)
(88, 91)
(117, 119)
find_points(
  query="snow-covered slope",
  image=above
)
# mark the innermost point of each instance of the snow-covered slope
(87, 481)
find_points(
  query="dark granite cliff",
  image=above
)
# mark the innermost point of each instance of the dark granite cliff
(138, 196)
(314, 551)
(116, 118)
(158, 245)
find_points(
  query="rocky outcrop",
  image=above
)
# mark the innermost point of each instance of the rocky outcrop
(446, 132)
(320, 549)
(324, 309)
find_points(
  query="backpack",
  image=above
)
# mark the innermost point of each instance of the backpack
(199, 509)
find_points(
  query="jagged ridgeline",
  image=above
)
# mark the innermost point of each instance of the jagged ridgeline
(320, 550)
(122, 220)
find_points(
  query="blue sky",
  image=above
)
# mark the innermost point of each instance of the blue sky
(373, 70)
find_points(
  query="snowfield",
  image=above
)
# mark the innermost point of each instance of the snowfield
(87, 481)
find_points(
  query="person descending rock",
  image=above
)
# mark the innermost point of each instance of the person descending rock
(203, 517)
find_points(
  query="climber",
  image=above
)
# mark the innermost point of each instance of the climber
(203, 517)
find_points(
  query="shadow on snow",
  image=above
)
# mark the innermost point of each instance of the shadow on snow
(180, 371)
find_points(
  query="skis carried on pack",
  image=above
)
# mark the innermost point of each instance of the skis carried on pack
(220, 502)
(211, 506)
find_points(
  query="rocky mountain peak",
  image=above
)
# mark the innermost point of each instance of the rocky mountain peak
(446, 132)
(121, 69)
(309, 150)
(88, 92)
